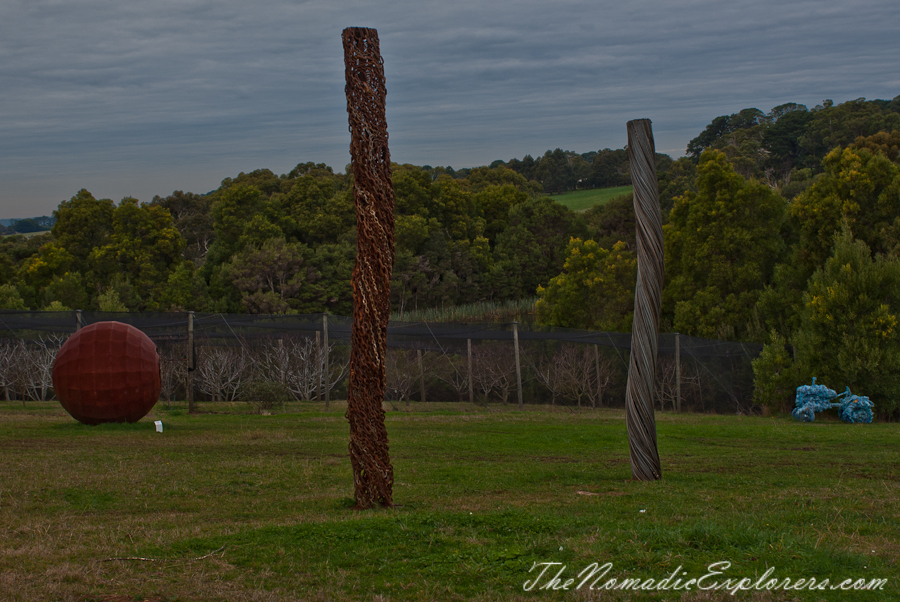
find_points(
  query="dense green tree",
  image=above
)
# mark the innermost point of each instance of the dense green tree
(721, 127)
(481, 178)
(314, 169)
(413, 192)
(456, 210)
(185, 290)
(233, 209)
(555, 172)
(7, 268)
(269, 276)
(441, 280)
(612, 222)
(28, 225)
(850, 328)
(108, 301)
(886, 143)
(610, 168)
(781, 139)
(223, 296)
(327, 280)
(56, 306)
(69, 290)
(51, 261)
(411, 232)
(407, 280)
(83, 224)
(849, 331)
(775, 375)
(595, 290)
(493, 204)
(264, 180)
(721, 246)
(745, 152)
(858, 187)
(17, 252)
(144, 246)
(191, 215)
(317, 211)
(777, 147)
(10, 297)
(839, 125)
(532, 249)
(525, 167)
(679, 179)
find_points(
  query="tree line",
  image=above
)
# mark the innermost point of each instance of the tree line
(780, 228)
(267, 243)
(776, 239)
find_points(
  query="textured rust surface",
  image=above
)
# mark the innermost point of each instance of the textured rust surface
(373, 474)
(107, 372)
(639, 414)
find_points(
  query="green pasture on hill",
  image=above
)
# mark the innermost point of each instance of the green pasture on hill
(580, 200)
(231, 505)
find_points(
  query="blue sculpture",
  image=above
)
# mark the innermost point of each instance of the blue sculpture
(817, 398)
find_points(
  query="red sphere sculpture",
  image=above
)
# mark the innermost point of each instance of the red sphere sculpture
(107, 372)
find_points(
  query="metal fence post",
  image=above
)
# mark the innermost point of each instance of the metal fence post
(325, 368)
(421, 375)
(318, 357)
(79, 320)
(189, 393)
(471, 386)
(678, 372)
(518, 366)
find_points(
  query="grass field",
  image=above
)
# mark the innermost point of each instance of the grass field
(585, 199)
(229, 505)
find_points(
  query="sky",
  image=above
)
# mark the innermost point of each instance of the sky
(129, 98)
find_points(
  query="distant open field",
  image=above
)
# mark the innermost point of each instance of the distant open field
(230, 505)
(585, 199)
(26, 234)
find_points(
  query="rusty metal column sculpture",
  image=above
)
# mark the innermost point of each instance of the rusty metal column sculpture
(373, 191)
(639, 416)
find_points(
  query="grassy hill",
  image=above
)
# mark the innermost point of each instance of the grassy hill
(585, 199)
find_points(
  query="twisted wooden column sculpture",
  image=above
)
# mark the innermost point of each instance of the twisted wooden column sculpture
(373, 475)
(647, 300)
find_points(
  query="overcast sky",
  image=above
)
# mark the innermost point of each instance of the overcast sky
(137, 99)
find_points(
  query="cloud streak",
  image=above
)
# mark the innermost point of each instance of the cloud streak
(144, 98)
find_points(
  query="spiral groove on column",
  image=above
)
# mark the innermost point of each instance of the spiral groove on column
(373, 192)
(640, 420)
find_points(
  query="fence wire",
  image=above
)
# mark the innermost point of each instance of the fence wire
(562, 366)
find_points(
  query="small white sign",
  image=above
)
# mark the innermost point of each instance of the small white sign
(158, 424)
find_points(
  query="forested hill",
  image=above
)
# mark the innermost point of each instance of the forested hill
(263, 242)
(780, 227)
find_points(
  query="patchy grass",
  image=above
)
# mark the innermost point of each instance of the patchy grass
(580, 200)
(237, 506)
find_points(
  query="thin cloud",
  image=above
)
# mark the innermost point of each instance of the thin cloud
(145, 98)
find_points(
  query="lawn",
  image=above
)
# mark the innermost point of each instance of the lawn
(230, 505)
(580, 200)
